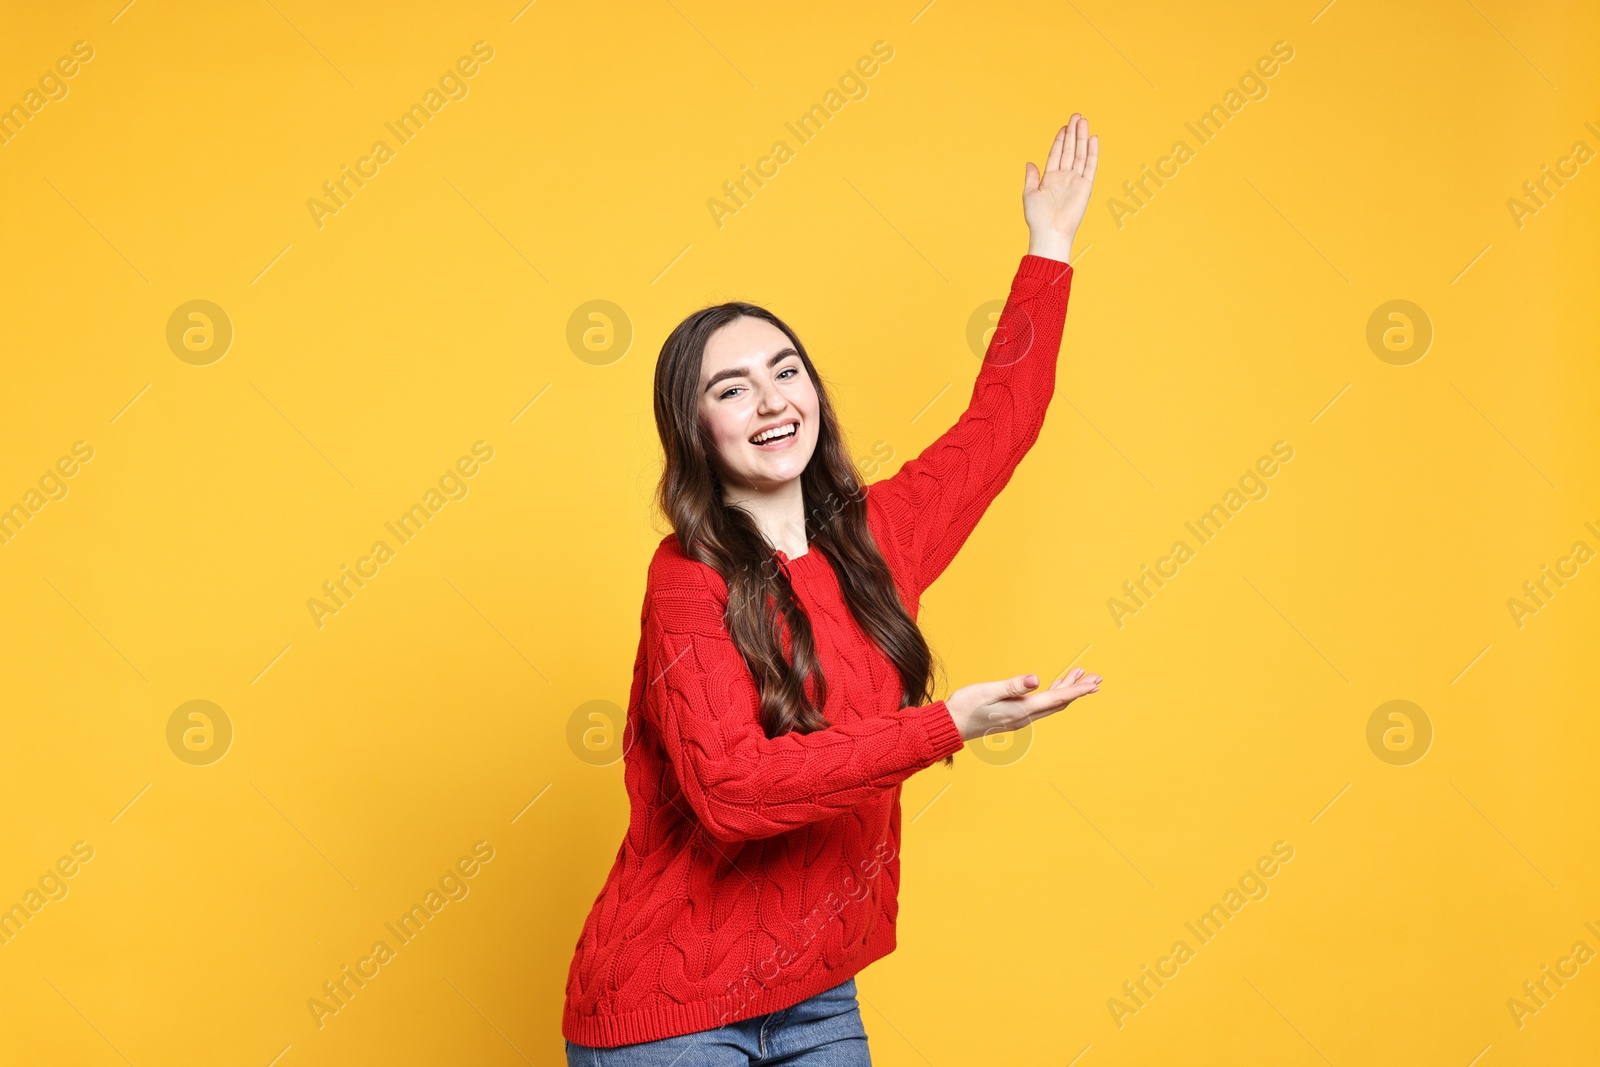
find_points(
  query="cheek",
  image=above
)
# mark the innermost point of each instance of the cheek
(806, 400)
(723, 430)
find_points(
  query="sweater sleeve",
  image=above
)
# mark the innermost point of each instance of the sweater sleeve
(701, 700)
(934, 501)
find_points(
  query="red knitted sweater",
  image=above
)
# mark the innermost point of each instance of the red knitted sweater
(756, 871)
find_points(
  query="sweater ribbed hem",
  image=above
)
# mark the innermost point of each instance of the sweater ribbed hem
(1054, 271)
(944, 738)
(671, 1020)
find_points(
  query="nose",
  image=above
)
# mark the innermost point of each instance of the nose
(772, 399)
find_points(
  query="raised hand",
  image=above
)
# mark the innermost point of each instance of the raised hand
(1053, 203)
(1000, 707)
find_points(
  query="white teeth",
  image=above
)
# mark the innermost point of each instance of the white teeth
(780, 431)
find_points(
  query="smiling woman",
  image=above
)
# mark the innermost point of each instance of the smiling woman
(762, 437)
(783, 691)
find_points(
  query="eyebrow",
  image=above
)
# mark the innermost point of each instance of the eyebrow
(742, 371)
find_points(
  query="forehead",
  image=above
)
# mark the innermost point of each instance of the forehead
(746, 341)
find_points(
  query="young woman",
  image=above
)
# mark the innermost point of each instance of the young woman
(781, 689)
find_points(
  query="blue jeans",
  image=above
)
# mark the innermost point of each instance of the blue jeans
(821, 1031)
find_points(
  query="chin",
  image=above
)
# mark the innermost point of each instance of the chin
(786, 478)
(783, 477)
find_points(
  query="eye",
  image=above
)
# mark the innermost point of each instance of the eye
(728, 393)
(788, 370)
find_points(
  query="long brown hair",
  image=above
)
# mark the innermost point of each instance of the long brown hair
(761, 600)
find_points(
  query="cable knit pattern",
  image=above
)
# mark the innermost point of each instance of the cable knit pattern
(756, 871)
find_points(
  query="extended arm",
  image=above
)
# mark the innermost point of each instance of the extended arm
(702, 701)
(935, 500)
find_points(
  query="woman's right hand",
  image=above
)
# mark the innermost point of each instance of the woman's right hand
(1053, 202)
(1000, 707)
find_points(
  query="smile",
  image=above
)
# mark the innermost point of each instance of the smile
(777, 437)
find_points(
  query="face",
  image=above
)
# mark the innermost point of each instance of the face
(751, 380)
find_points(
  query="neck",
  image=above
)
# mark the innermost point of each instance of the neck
(779, 513)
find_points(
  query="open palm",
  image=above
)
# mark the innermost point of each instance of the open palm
(1053, 203)
(1000, 707)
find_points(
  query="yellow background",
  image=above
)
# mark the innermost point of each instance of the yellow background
(434, 710)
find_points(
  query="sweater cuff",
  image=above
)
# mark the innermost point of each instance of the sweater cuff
(1053, 271)
(943, 737)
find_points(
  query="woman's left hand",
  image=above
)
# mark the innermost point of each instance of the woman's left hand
(1053, 203)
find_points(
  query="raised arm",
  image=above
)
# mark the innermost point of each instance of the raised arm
(701, 700)
(934, 501)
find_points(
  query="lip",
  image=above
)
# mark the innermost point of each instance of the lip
(780, 444)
